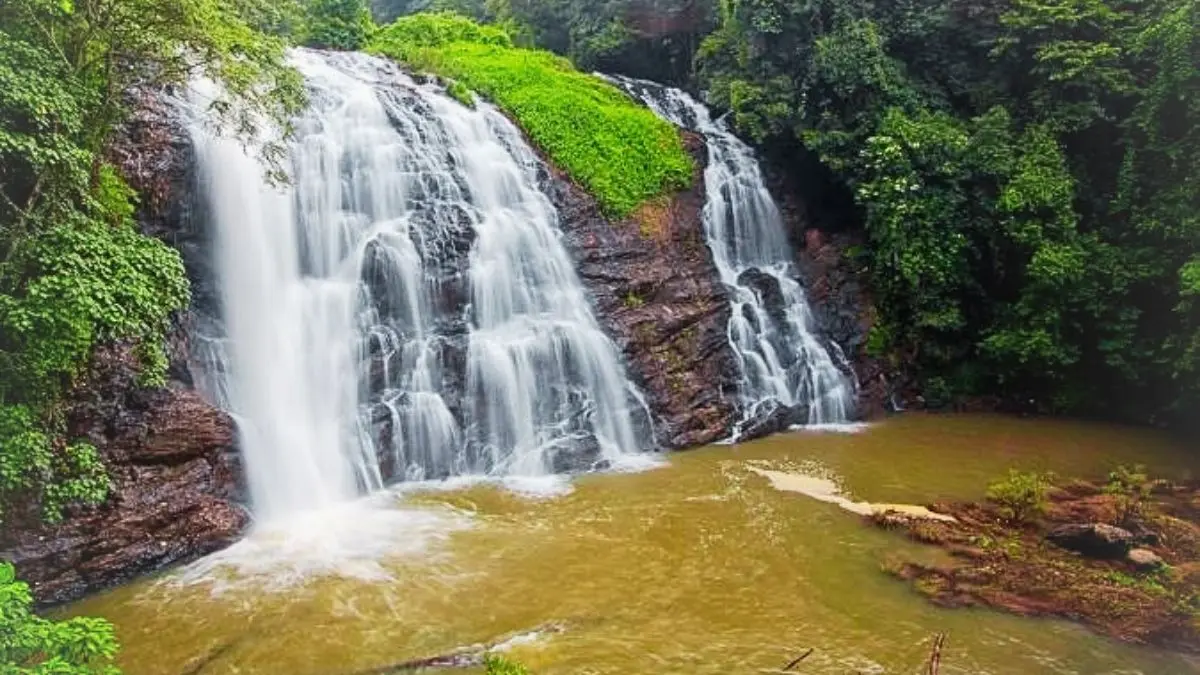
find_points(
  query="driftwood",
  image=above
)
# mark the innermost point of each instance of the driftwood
(795, 662)
(463, 659)
(935, 656)
(200, 663)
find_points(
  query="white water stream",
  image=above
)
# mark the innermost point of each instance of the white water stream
(771, 329)
(403, 309)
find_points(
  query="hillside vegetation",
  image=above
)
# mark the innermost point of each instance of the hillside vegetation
(620, 151)
(1025, 174)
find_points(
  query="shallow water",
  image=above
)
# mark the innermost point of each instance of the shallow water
(699, 566)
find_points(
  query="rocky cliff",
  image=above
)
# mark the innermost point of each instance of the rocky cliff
(657, 293)
(170, 454)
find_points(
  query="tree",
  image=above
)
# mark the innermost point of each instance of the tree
(337, 24)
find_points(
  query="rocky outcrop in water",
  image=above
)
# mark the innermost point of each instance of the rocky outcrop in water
(658, 295)
(169, 453)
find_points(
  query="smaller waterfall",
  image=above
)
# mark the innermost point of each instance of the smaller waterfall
(781, 358)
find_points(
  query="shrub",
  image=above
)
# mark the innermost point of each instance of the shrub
(1021, 495)
(620, 151)
(498, 665)
(461, 93)
(31, 645)
(1130, 485)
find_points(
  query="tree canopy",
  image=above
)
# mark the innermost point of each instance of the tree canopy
(1027, 174)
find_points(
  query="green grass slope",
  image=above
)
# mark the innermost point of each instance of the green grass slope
(620, 151)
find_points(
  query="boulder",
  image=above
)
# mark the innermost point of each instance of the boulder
(771, 417)
(575, 455)
(766, 287)
(1094, 540)
(1144, 559)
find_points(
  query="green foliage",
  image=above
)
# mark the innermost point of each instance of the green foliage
(337, 24)
(653, 39)
(31, 645)
(1026, 175)
(1021, 495)
(1131, 486)
(74, 270)
(498, 665)
(620, 151)
(461, 93)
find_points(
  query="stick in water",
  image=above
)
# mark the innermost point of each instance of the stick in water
(935, 658)
(798, 659)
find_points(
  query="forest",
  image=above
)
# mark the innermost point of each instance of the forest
(1022, 176)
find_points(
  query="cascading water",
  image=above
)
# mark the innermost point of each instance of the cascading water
(403, 307)
(781, 358)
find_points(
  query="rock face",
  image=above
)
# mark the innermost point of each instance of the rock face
(838, 294)
(658, 295)
(838, 290)
(170, 454)
(1095, 540)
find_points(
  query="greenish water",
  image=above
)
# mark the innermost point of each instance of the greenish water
(697, 567)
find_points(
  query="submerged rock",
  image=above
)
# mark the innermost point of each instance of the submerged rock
(1095, 540)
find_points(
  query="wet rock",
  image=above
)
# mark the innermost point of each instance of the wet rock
(771, 417)
(657, 293)
(836, 284)
(175, 487)
(1095, 540)
(1144, 559)
(171, 455)
(768, 290)
(577, 454)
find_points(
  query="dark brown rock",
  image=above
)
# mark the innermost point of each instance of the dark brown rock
(658, 294)
(169, 454)
(1095, 540)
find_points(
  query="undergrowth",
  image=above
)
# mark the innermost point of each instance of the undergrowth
(620, 151)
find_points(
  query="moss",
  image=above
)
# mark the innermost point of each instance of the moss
(620, 151)
(461, 93)
(654, 218)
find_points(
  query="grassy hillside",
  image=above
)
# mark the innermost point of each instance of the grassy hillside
(617, 149)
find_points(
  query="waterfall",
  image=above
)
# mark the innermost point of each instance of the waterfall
(771, 329)
(402, 308)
